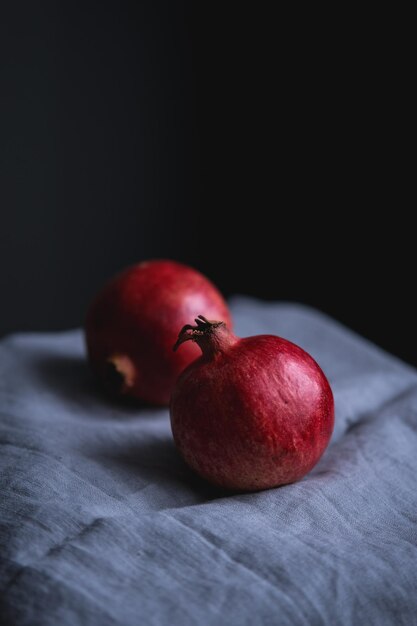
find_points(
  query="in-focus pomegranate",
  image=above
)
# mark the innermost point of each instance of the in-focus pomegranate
(130, 327)
(250, 413)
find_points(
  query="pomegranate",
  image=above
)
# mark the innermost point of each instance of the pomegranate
(129, 327)
(251, 413)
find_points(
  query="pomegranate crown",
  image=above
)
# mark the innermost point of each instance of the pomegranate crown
(204, 327)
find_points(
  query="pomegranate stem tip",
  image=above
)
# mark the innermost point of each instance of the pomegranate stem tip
(204, 327)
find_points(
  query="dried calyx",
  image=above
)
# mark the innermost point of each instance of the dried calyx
(206, 333)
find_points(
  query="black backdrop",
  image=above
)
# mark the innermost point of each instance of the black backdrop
(132, 130)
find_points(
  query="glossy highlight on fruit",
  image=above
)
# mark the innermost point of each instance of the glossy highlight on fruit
(251, 413)
(131, 326)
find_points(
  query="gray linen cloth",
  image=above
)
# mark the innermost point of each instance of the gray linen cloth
(102, 523)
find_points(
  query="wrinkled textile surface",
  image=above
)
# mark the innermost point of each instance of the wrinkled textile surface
(101, 522)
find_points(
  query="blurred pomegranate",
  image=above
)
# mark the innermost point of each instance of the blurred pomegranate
(131, 327)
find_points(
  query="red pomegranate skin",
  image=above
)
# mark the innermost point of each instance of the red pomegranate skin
(252, 413)
(130, 327)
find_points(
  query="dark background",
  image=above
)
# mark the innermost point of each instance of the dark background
(132, 130)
